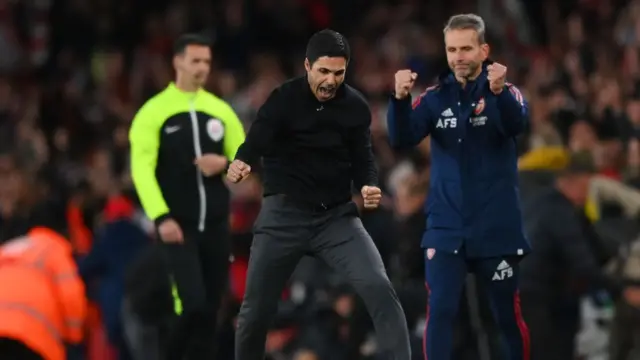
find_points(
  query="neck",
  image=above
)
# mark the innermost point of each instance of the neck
(185, 86)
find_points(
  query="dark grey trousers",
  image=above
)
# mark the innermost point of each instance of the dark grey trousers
(284, 232)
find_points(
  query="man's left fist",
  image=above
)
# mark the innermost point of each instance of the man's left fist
(497, 75)
(372, 196)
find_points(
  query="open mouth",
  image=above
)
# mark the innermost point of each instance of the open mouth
(326, 91)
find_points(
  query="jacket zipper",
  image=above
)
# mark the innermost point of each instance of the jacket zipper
(461, 134)
(198, 151)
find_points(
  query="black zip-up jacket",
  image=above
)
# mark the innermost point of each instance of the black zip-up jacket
(562, 252)
(312, 151)
(168, 133)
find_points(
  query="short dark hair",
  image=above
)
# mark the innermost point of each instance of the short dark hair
(467, 22)
(329, 43)
(189, 39)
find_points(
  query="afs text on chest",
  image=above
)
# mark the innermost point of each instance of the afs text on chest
(450, 122)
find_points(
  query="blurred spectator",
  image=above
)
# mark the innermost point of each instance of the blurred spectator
(565, 264)
(118, 242)
(40, 318)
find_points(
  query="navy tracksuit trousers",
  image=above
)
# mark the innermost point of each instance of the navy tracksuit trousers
(445, 279)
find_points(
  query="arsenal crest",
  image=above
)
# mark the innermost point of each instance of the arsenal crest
(479, 107)
(430, 253)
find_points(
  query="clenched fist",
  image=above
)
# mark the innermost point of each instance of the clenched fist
(404, 83)
(497, 75)
(238, 170)
(371, 196)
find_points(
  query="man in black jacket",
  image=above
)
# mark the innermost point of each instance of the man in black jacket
(313, 135)
(563, 264)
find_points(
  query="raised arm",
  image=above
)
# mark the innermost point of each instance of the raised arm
(363, 165)
(263, 131)
(408, 123)
(235, 134)
(514, 111)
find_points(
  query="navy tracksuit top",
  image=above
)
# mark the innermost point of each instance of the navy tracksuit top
(473, 198)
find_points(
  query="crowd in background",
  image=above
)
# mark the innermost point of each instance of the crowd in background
(73, 74)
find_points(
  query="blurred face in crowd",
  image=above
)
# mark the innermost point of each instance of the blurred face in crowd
(465, 52)
(325, 75)
(193, 65)
(576, 187)
(633, 111)
(582, 137)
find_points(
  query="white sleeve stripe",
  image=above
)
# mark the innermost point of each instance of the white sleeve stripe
(516, 93)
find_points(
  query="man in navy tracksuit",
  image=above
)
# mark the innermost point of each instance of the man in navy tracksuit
(473, 214)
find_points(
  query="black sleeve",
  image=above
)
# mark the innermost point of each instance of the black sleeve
(262, 133)
(363, 165)
(567, 231)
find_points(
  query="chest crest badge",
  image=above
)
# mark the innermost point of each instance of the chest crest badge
(479, 107)
(215, 129)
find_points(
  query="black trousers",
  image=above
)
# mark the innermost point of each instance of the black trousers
(287, 230)
(16, 350)
(553, 327)
(199, 269)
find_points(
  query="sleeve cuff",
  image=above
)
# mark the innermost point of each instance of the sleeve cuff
(392, 97)
(157, 221)
(243, 156)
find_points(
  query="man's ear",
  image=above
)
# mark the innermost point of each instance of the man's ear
(485, 51)
(175, 61)
(307, 65)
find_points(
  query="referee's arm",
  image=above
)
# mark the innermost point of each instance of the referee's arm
(144, 138)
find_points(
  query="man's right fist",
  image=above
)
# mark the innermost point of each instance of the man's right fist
(404, 83)
(238, 170)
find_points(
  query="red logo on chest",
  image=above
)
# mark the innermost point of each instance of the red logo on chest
(479, 107)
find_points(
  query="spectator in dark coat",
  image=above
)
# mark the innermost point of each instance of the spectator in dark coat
(562, 260)
(116, 246)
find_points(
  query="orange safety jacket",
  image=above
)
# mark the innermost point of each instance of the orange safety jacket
(42, 298)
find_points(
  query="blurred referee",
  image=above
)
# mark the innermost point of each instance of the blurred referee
(181, 142)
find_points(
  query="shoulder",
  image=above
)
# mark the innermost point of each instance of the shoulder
(291, 87)
(281, 96)
(431, 89)
(151, 107)
(357, 98)
(515, 92)
(218, 103)
(155, 105)
(428, 92)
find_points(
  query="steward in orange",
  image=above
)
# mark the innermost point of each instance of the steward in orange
(42, 299)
